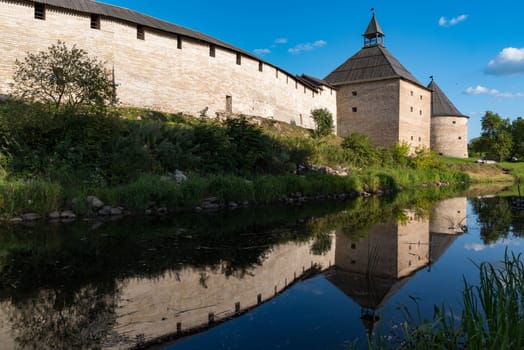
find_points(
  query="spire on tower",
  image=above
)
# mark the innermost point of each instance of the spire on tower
(373, 35)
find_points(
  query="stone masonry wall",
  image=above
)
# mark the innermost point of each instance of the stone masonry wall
(155, 73)
(388, 111)
(369, 108)
(414, 115)
(449, 135)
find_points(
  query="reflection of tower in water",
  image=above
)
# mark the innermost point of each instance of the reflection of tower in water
(372, 269)
(448, 220)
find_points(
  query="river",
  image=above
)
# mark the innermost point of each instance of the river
(319, 276)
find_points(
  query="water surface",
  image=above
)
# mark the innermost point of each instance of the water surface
(321, 276)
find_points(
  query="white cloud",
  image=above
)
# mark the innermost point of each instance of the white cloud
(479, 89)
(307, 46)
(509, 61)
(281, 41)
(478, 247)
(482, 90)
(262, 51)
(444, 22)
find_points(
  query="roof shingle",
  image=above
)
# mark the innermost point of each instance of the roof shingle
(440, 103)
(370, 63)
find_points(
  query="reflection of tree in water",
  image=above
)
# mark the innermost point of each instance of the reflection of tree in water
(517, 222)
(49, 321)
(322, 243)
(494, 216)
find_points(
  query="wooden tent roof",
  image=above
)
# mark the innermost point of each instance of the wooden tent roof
(440, 103)
(371, 292)
(440, 243)
(373, 29)
(370, 63)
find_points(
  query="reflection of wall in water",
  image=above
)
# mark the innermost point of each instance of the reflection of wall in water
(449, 216)
(448, 220)
(389, 250)
(191, 298)
(6, 340)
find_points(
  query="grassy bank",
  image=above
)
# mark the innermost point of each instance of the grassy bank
(152, 192)
(52, 160)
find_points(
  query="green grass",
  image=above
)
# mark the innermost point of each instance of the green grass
(149, 191)
(28, 196)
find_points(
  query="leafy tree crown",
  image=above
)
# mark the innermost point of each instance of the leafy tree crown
(65, 78)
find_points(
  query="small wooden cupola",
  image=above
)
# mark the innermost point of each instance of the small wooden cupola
(373, 35)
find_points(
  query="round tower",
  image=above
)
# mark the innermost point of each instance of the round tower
(449, 127)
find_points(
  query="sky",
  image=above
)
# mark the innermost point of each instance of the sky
(473, 49)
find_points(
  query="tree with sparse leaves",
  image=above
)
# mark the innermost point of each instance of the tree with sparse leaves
(64, 78)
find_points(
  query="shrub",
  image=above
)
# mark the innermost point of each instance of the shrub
(360, 150)
(400, 153)
(424, 159)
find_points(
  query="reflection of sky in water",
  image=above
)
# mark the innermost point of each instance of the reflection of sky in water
(503, 242)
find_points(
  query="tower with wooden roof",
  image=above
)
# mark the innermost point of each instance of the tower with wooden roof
(449, 127)
(377, 96)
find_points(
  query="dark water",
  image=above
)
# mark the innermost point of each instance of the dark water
(319, 276)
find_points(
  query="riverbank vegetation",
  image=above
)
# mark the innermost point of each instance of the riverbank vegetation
(52, 160)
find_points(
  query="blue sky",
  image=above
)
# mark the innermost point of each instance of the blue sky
(474, 49)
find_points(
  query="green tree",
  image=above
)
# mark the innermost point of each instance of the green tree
(517, 132)
(477, 145)
(323, 121)
(496, 136)
(64, 78)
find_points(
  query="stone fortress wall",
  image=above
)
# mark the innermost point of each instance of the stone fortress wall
(163, 71)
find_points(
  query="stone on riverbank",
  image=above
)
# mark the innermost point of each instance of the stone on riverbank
(30, 217)
(94, 202)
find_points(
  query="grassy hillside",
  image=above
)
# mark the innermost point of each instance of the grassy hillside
(486, 173)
